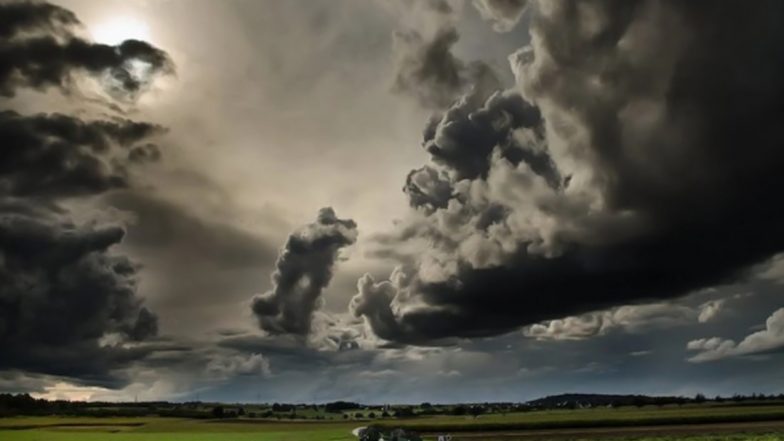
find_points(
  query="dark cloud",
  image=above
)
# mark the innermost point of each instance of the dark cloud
(59, 155)
(504, 14)
(68, 301)
(463, 139)
(303, 270)
(40, 49)
(428, 187)
(427, 70)
(665, 128)
(62, 291)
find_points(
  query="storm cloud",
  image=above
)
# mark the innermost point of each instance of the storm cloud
(40, 48)
(303, 270)
(70, 306)
(62, 291)
(58, 155)
(650, 174)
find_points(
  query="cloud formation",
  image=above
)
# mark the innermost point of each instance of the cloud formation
(503, 14)
(40, 49)
(62, 291)
(303, 270)
(630, 187)
(425, 67)
(69, 302)
(630, 318)
(767, 340)
(58, 155)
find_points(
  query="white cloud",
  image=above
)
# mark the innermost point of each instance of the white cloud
(709, 310)
(630, 318)
(252, 364)
(768, 339)
(774, 270)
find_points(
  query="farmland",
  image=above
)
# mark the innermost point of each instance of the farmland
(651, 423)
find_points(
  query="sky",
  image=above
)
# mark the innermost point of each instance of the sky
(390, 201)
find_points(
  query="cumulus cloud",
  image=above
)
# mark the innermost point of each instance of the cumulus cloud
(767, 340)
(40, 49)
(62, 291)
(303, 270)
(69, 303)
(503, 14)
(627, 187)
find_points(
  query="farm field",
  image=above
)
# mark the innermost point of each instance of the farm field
(696, 423)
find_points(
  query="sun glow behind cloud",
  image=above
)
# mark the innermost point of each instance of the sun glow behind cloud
(115, 30)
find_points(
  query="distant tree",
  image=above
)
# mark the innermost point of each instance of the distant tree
(241, 411)
(477, 410)
(385, 414)
(699, 398)
(345, 416)
(359, 415)
(218, 412)
(404, 412)
(459, 410)
(372, 415)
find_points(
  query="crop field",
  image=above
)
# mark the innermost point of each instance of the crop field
(696, 423)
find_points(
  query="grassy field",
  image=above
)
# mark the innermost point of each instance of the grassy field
(486, 427)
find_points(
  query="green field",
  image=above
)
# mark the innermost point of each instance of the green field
(485, 427)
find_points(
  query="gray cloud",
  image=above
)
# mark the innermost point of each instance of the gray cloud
(654, 201)
(40, 49)
(504, 14)
(62, 291)
(427, 70)
(69, 302)
(59, 155)
(303, 270)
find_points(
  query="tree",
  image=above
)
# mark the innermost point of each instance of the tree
(475, 411)
(699, 398)
(218, 412)
(372, 415)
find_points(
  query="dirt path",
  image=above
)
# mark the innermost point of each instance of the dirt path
(610, 432)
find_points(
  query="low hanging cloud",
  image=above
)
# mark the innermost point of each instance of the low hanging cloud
(62, 291)
(40, 48)
(767, 340)
(303, 270)
(503, 14)
(69, 301)
(630, 187)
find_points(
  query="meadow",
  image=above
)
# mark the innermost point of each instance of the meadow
(661, 423)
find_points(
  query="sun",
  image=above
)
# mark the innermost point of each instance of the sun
(118, 29)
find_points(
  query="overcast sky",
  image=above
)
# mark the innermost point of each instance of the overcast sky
(390, 200)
